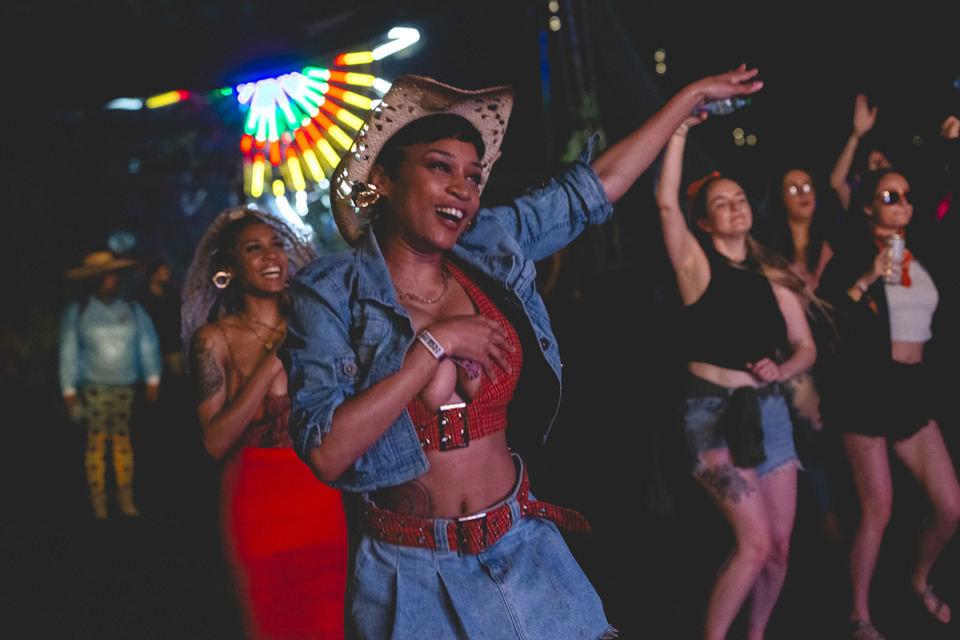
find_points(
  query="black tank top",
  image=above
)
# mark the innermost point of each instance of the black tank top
(737, 319)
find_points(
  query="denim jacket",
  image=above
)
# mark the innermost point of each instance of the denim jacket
(347, 330)
(107, 343)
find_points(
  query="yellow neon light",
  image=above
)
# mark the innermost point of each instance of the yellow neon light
(344, 116)
(360, 79)
(164, 99)
(316, 171)
(278, 188)
(296, 173)
(342, 139)
(356, 100)
(329, 154)
(360, 57)
(256, 176)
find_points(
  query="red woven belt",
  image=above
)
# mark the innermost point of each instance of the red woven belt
(469, 535)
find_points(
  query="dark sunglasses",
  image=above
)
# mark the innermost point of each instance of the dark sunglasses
(893, 197)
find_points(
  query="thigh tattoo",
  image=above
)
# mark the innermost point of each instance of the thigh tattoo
(727, 481)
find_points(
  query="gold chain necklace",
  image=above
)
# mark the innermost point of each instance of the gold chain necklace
(267, 344)
(412, 296)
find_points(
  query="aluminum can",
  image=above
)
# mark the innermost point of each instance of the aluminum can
(895, 247)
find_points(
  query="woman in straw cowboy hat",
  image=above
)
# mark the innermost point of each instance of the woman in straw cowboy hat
(284, 534)
(107, 344)
(405, 353)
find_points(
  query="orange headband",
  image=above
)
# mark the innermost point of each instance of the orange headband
(695, 187)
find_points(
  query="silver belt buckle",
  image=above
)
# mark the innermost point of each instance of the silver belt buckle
(443, 422)
(462, 538)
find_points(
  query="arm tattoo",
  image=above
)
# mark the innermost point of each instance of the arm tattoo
(727, 482)
(209, 377)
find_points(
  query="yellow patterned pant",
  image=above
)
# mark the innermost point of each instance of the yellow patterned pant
(107, 409)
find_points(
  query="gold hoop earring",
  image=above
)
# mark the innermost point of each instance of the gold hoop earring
(221, 279)
(364, 195)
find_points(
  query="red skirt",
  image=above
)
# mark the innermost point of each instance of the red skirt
(285, 542)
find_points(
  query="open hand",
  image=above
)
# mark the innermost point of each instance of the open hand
(738, 82)
(864, 116)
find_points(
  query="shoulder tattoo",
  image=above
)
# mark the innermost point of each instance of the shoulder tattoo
(209, 376)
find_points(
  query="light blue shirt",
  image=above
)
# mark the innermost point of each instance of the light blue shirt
(107, 343)
(347, 331)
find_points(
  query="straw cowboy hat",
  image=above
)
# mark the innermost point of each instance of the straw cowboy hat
(99, 263)
(411, 98)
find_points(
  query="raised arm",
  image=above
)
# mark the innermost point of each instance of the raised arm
(684, 251)
(864, 117)
(620, 165)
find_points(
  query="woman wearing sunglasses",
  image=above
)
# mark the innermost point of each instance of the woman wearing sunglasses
(880, 394)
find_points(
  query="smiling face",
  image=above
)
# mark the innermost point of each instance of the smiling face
(799, 196)
(259, 260)
(890, 217)
(728, 212)
(434, 194)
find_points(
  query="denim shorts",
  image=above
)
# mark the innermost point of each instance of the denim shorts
(701, 428)
(527, 585)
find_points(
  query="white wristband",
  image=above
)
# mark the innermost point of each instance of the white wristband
(431, 344)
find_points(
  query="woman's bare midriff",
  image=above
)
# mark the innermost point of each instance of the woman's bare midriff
(723, 376)
(906, 352)
(460, 482)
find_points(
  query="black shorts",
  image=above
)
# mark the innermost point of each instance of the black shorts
(893, 401)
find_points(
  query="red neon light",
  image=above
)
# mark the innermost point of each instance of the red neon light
(275, 153)
(302, 141)
(313, 131)
(323, 121)
(336, 92)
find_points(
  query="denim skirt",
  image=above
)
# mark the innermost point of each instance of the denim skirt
(525, 586)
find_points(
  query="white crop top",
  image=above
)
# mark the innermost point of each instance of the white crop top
(911, 308)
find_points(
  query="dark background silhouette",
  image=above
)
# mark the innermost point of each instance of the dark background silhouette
(76, 173)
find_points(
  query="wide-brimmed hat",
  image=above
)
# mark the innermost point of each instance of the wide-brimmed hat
(202, 301)
(411, 98)
(99, 263)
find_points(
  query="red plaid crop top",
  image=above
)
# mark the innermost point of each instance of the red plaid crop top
(487, 412)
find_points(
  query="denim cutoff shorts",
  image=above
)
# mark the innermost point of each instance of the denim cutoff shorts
(525, 586)
(701, 427)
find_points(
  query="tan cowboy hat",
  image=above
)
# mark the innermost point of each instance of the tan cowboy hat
(99, 263)
(411, 98)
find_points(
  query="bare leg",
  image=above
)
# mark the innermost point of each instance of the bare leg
(926, 455)
(871, 474)
(779, 492)
(736, 493)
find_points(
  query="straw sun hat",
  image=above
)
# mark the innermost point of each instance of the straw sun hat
(411, 98)
(99, 263)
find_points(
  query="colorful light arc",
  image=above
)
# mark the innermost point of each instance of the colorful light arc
(298, 125)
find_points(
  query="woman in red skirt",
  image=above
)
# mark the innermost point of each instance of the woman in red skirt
(284, 532)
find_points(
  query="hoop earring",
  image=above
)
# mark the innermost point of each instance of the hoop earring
(221, 279)
(364, 195)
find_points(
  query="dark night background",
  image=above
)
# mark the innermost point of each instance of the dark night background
(76, 173)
